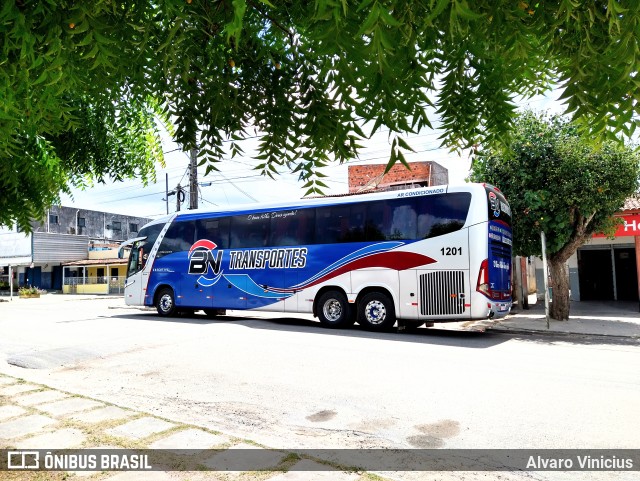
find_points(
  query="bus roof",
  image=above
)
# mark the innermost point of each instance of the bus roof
(328, 200)
(320, 201)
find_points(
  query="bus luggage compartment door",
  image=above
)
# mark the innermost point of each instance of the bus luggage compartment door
(409, 295)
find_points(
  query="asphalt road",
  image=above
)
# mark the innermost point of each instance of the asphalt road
(287, 382)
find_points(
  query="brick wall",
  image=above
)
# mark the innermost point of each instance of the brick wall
(371, 175)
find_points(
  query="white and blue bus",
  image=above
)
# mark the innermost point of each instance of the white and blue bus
(432, 254)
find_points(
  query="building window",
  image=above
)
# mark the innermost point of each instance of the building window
(116, 225)
(82, 222)
(53, 219)
(133, 227)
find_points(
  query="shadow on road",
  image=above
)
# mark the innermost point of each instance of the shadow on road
(434, 336)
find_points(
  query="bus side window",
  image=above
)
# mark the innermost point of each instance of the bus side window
(442, 214)
(340, 223)
(249, 231)
(216, 230)
(404, 220)
(295, 227)
(179, 238)
(377, 223)
(356, 224)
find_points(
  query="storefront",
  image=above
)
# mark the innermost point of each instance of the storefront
(607, 269)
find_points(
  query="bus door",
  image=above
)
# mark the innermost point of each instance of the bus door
(137, 276)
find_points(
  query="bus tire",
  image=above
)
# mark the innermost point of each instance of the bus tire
(166, 302)
(376, 312)
(334, 310)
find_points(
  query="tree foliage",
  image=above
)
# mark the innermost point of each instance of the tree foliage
(312, 79)
(559, 182)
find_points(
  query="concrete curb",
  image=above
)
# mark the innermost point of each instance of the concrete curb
(511, 330)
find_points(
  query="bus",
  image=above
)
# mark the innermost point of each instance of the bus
(424, 255)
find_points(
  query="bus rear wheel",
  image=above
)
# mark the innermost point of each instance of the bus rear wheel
(165, 302)
(334, 310)
(376, 312)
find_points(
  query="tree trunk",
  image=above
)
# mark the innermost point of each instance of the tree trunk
(560, 279)
(515, 286)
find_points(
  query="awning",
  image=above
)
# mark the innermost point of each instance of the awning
(96, 262)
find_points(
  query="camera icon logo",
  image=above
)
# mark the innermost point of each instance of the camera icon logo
(23, 460)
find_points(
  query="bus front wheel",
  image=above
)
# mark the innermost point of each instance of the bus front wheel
(334, 310)
(376, 312)
(165, 302)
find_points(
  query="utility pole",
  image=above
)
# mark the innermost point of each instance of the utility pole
(166, 190)
(179, 197)
(193, 179)
(179, 193)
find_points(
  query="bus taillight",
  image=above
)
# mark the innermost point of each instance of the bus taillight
(483, 279)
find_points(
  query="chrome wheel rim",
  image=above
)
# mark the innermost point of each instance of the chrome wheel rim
(166, 302)
(375, 312)
(332, 310)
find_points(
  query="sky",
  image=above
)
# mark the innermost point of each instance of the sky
(237, 183)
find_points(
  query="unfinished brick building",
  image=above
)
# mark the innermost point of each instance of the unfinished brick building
(364, 178)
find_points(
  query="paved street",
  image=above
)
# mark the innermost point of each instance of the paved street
(287, 383)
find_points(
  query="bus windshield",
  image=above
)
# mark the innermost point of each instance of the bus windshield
(140, 249)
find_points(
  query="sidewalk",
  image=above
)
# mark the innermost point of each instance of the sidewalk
(37, 417)
(595, 318)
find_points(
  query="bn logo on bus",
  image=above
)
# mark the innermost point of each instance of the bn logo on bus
(494, 204)
(202, 262)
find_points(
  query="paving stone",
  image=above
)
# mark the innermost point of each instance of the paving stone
(191, 439)
(60, 439)
(307, 470)
(68, 406)
(14, 389)
(231, 460)
(39, 397)
(140, 428)
(23, 426)
(108, 413)
(10, 411)
(4, 381)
